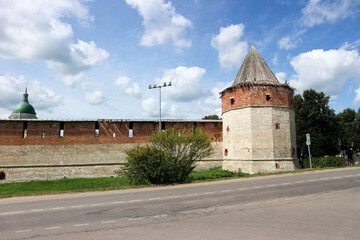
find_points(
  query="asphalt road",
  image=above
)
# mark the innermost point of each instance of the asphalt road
(315, 205)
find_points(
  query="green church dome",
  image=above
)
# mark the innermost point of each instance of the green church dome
(23, 110)
(24, 107)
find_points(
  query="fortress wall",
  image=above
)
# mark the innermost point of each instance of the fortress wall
(43, 132)
(79, 153)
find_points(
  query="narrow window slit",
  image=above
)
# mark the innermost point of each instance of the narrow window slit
(97, 130)
(24, 132)
(61, 131)
(131, 130)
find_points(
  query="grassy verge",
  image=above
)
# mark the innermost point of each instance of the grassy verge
(63, 185)
(112, 183)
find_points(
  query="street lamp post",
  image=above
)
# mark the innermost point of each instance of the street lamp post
(159, 87)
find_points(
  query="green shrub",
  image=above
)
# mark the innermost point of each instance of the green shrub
(170, 157)
(325, 162)
(148, 164)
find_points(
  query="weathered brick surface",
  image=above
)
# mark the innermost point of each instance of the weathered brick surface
(83, 132)
(250, 95)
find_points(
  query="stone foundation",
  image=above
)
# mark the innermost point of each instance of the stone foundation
(50, 162)
(262, 166)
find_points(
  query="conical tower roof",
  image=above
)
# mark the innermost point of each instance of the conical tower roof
(254, 70)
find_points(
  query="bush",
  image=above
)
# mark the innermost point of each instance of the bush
(170, 157)
(324, 162)
(148, 164)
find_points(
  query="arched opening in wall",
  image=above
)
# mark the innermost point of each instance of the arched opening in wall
(43, 135)
(2, 176)
(267, 97)
(131, 130)
(277, 165)
(61, 130)
(226, 152)
(227, 128)
(97, 130)
(114, 135)
(24, 131)
(232, 100)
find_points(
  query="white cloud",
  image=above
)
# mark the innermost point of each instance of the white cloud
(12, 89)
(35, 30)
(214, 99)
(325, 70)
(151, 109)
(281, 76)
(357, 97)
(162, 23)
(82, 56)
(275, 59)
(123, 83)
(71, 80)
(285, 43)
(317, 12)
(186, 83)
(95, 97)
(231, 51)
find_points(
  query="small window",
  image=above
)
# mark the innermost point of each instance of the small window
(61, 132)
(195, 125)
(24, 134)
(232, 100)
(43, 135)
(227, 128)
(2, 176)
(226, 152)
(114, 135)
(131, 130)
(97, 130)
(163, 126)
(277, 125)
(268, 97)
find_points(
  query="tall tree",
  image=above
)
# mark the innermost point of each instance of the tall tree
(313, 115)
(349, 132)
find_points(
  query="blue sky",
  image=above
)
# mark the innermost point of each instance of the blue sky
(95, 59)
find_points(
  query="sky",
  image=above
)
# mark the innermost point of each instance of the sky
(96, 59)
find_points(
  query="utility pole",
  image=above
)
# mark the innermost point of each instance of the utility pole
(159, 87)
(308, 143)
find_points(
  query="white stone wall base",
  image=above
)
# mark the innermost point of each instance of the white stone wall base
(256, 166)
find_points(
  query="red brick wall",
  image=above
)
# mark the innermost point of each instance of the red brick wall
(83, 132)
(248, 95)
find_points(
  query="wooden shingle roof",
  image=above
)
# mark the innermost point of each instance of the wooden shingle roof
(255, 70)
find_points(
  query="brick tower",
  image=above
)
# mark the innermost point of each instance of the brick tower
(258, 120)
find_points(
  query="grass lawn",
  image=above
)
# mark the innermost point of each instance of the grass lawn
(110, 183)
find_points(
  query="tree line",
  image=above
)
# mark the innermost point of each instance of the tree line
(330, 133)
